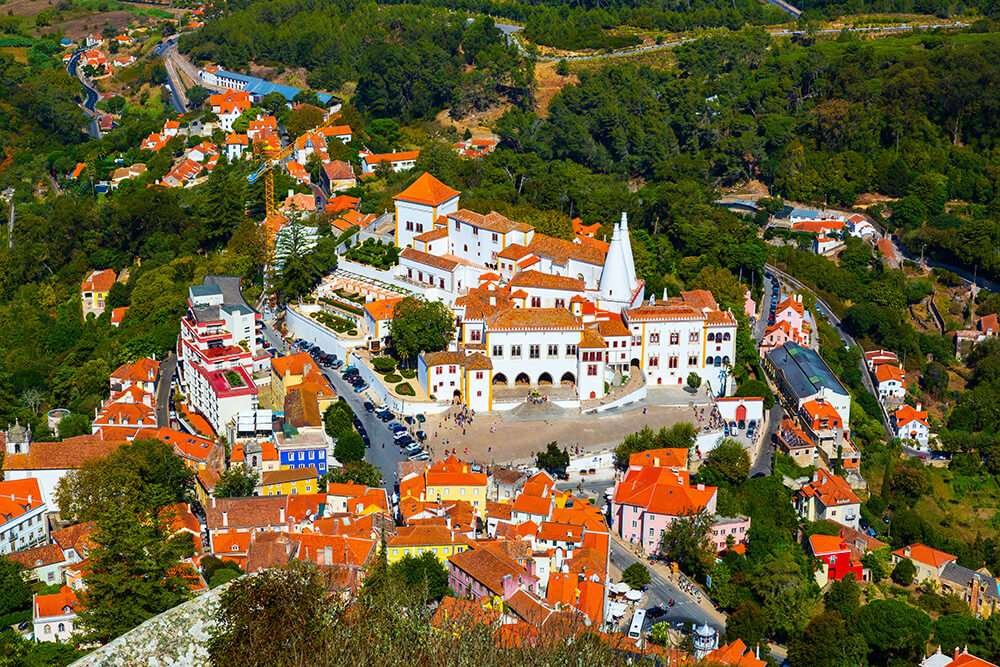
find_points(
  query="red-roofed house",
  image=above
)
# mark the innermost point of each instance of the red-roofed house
(397, 160)
(22, 515)
(890, 382)
(828, 497)
(484, 573)
(911, 425)
(54, 615)
(928, 561)
(94, 291)
(118, 316)
(835, 554)
(648, 499)
(378, 316)
(734, 654)
(337, 175)
(228, 106)
(959, 658)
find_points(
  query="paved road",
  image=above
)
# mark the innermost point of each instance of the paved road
(649, 48)
(383, 452)
(167, 369)
(90, 94)
(824, 309)
(765, 454)
(661, 590)
(167, 49)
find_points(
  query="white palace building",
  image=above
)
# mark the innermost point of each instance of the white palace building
(537, 311)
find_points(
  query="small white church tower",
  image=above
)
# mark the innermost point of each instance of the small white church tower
(18, 438)
(619, 284)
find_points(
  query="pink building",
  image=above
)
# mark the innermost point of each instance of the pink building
(790, 325)
(482, 572)
(724, 528)
(648, 499)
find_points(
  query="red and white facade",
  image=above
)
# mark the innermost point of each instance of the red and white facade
(219, 352)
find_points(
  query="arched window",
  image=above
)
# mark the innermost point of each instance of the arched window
(47, 629)
(725, 361)
(711, 338)
(725, 336)
(62, 627)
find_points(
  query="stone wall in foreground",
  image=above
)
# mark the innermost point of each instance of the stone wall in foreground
(178, 637)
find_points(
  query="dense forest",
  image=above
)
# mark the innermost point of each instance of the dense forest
(911, 117)
(409, 62)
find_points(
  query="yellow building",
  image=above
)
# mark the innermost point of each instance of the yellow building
(288, 482)
(297, 370)
(418, 540)
(451, 479)
(94, 291)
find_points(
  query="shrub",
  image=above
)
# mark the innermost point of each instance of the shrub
(392, 378)
(636, 575)
(384, 364)
(405, 389)
(408, 373)
(904, 572)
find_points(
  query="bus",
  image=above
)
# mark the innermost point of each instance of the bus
(638, 621)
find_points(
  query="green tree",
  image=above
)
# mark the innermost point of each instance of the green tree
(893, 630)
(660, 633)
(875, 565)
(349, 447)
(420, 326)
(197, 95)
(904, 572)
(727, 464)
(237, 482)
(15, 593)
(828, 641)
(681, 435)
(338, 419)
(145, 472)
(843, 597)
(359, 472)
(636, 575)
(553, 459)
(423, 576)
(693, 380)
(281, 616)
(303, 118)
(686, 542)
(133, 571)
(787, 595)
(74, 424)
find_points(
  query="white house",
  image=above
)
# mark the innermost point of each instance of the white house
(236, 146)
(890, 382)
(419, 207)
(22, 515)
(910, 424)
(741, 410)
(54, 615)
(828, 497)
(397, 161)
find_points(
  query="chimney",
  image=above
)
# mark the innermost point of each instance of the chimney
(327, 555)
(225, 519)
(281, 515)
(920, 407)
(701, 487)
(213, 502)
(30, 499)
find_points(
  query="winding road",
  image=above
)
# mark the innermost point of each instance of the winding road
(90, 94)
(784, 32)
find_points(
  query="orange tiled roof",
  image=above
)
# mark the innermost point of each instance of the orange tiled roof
(47, 554)
(492, 221)
(76, 537)
(69, 454)
(435, 261)
(382, 309)
(18, 497)
(887, 372)
(433, 235)
(487, 567)
(426, 190)
(790, 302)
(820, 409)
(539, 280)
(907, 413)
(398, 156)
(190, 446)
(425, 536)
(830, 489)
(535, 319)
(667, 457)
(99, 281)
(826, 544)
(560, 250)
(922, 553)
(734, 654)
(591, 338)
(533, 505)
(56, 604)
(663, 491)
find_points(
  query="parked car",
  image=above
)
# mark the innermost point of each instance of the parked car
(396, 427)
(360, 388)
(412, 448)
(421, 436)
(385, 416)
(336, 364)
(369, 406)
(421, 456)
(405, 440)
